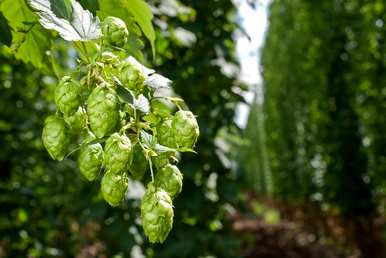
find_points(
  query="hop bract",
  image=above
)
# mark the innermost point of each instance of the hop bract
(118, 153)
(185, 128)
(157, 214)
(165, 134)
(55, 137)
(102, 111)
(169, 178)
(67, 95)
(90, 160)
(114, 187)
(139, 164)
(114, 32)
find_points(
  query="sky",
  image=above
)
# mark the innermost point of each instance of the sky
(254, 22)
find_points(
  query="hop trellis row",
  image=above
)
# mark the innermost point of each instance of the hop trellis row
(123, 129)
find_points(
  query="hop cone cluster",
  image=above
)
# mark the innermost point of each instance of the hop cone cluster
(122, 128)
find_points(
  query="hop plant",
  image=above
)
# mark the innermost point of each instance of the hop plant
(185, 128)
(169, 178)
(102, 111)
(90, 160)
(55, 137)
(139, 164)
(156, 213)
(114, 187)
(67, 95)
(114, 32)
(122, 123)
(118, 153)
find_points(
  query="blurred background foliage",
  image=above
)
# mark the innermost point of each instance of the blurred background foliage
(313, 151)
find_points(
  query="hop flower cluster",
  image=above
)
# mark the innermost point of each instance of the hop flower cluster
(123, 129)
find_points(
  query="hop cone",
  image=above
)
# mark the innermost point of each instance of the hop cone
(162, 159)
(55, 137)
(114, 187)
(114, 32)
(90, 160)
(185, 128)
(67, 95)
(157, 214)
(169, 178)
(165, 134)
(78, 121)
(131, 77)
(102, 111)
(139, 163)
(108, 57)
(118, 153)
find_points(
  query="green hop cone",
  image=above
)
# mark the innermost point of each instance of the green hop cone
(90, 160)
(114, 187)
(169, 178)
(67, 95)
(114, 32)
(108, 57)
(55, 137)
(102, 111)
(131, 76)
(118, 153)
(165, 134)
(139, 164)
(163, 159)
(185, 129)
(157, 214)
(78, 121)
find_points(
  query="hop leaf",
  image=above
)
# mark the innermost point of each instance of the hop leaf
(114, 32)
(73, 22)
(78, 121)
(157, 214)
(169, 178)
(139, 165)
(118, 153)
(165, 134)
(113, 188)
(185, 128)
(90, 160)
(102, 111)
(55, 137)
(67, 95)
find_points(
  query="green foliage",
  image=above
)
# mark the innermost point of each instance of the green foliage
(316, 122)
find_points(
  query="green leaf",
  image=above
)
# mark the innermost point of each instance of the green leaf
(71, 21)
(143, 16)
(5, 35)
(141, 103)
(148, 140)
(29, 41)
